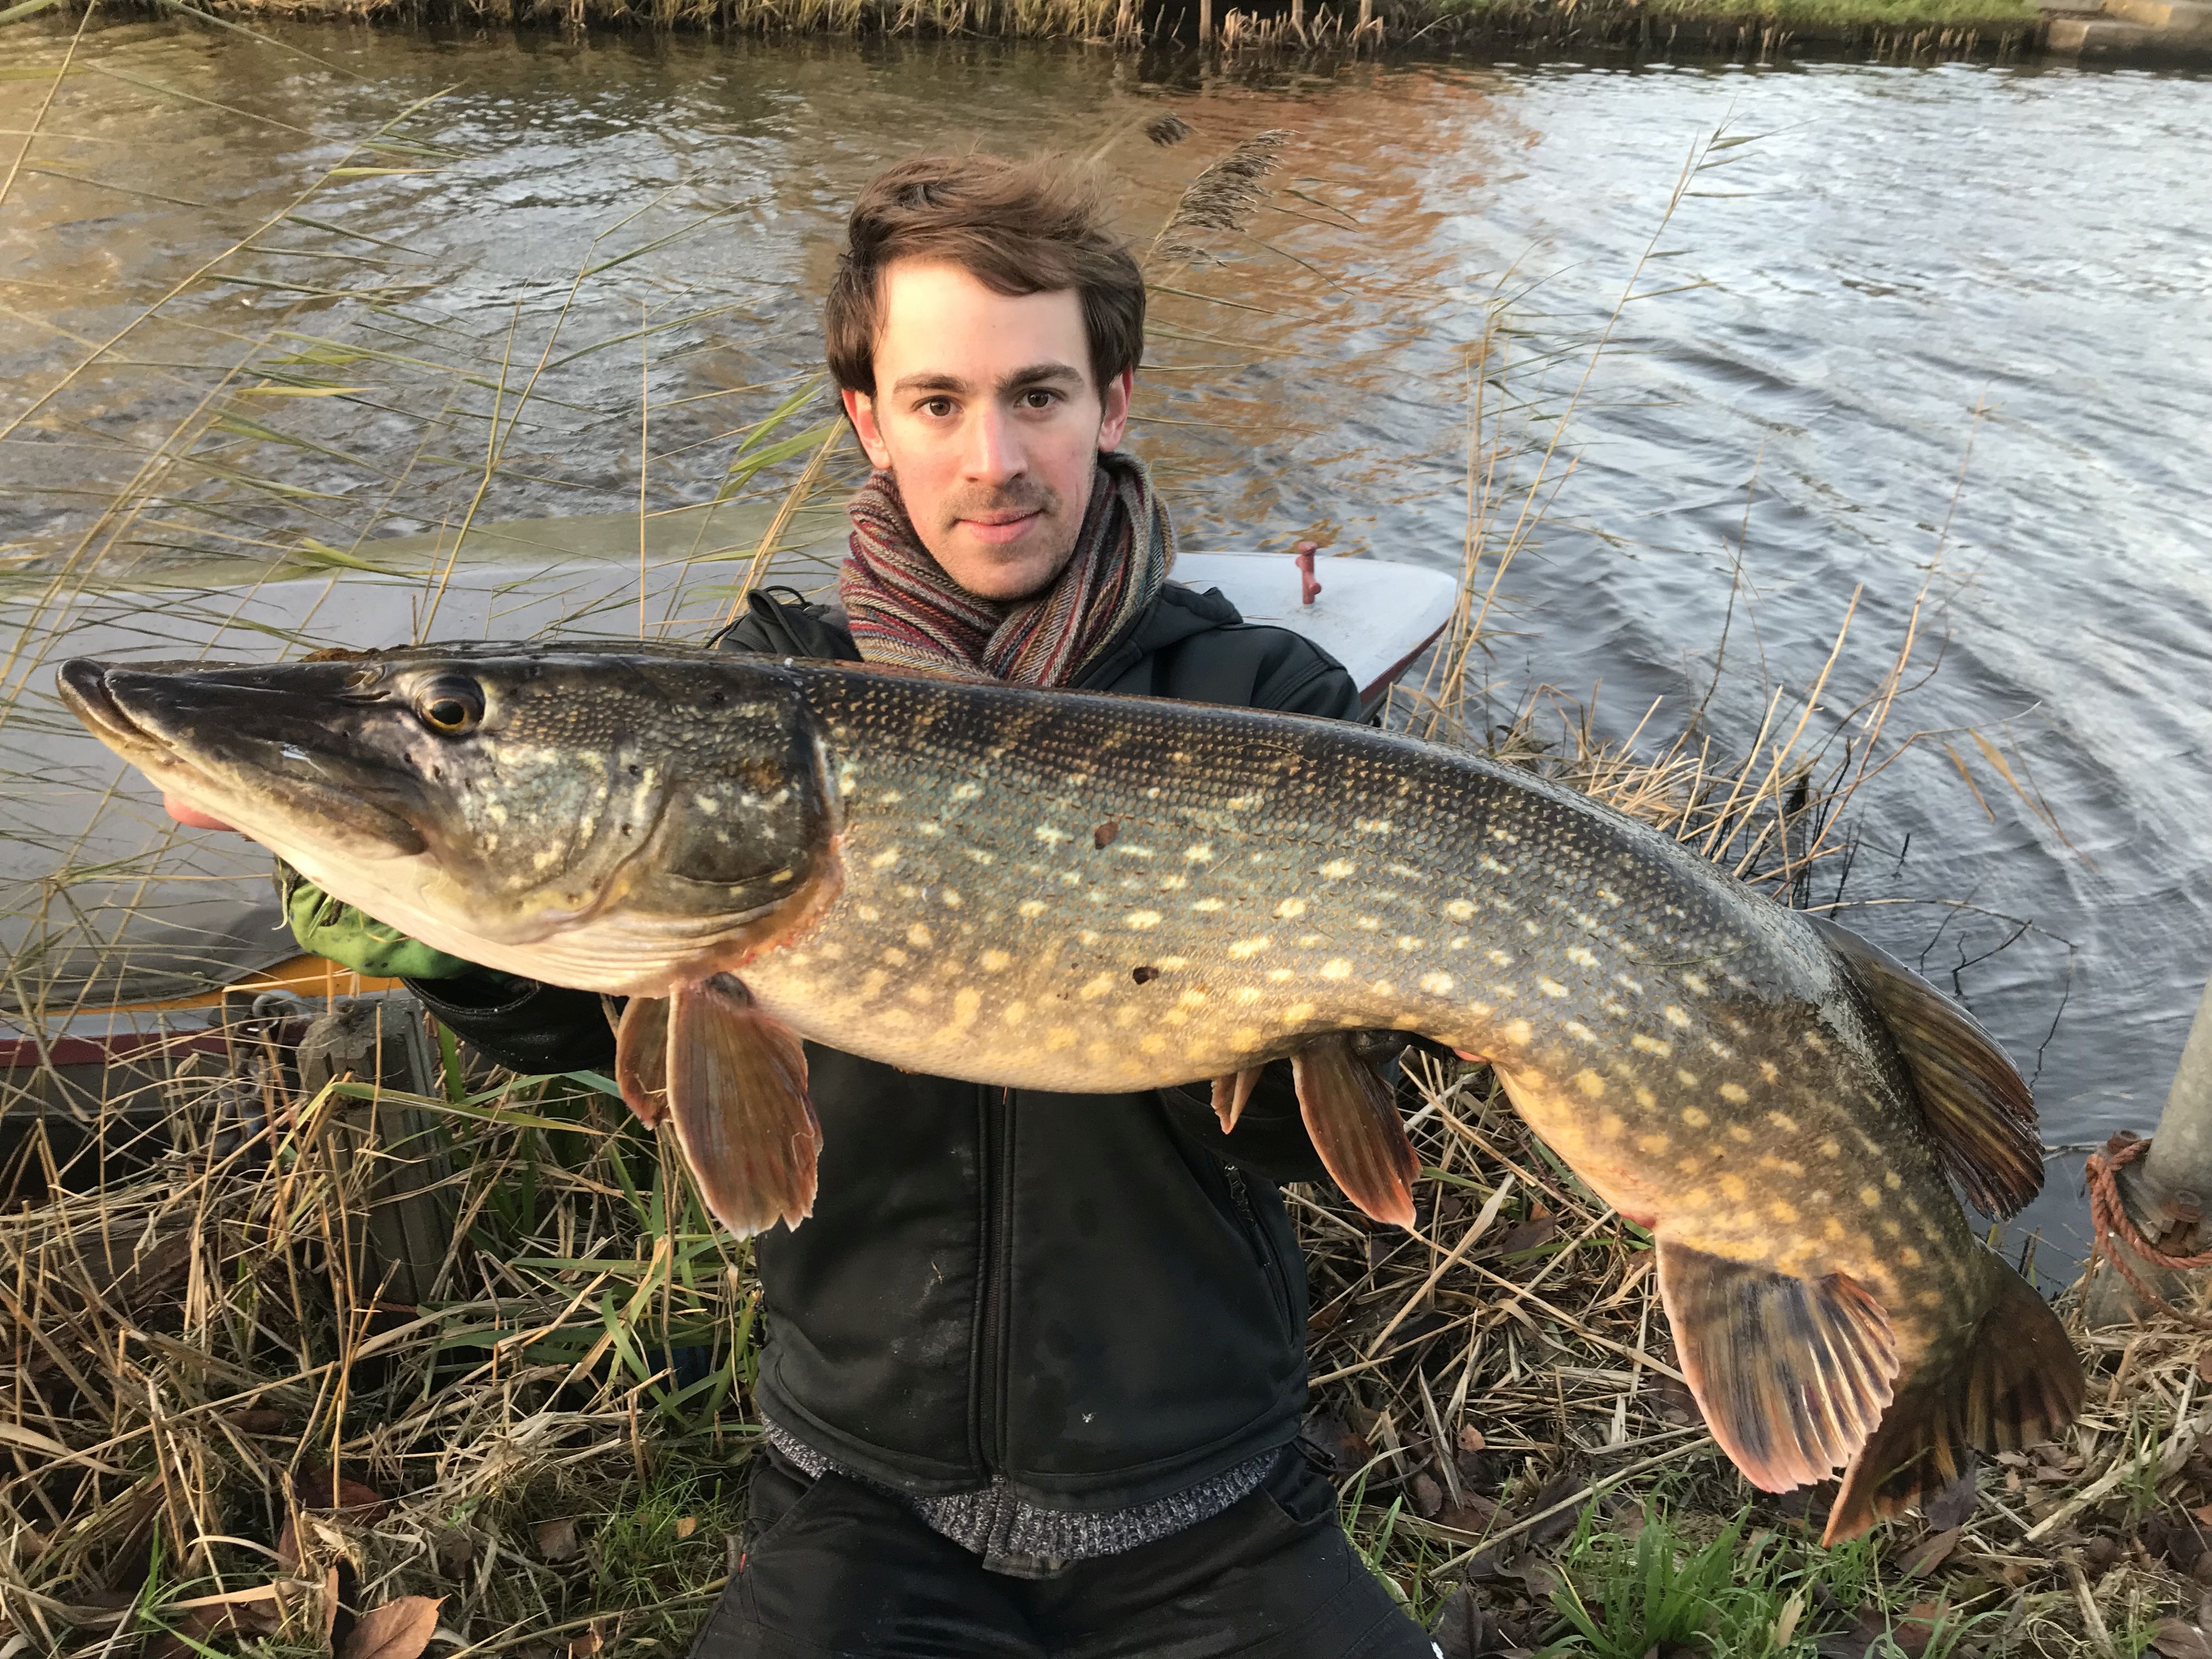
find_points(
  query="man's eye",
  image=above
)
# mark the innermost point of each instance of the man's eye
(937, 408)
(1039, 397)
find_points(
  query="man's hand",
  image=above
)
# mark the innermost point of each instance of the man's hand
(184, 812)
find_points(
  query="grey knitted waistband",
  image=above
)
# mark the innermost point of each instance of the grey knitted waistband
(1026, 1540)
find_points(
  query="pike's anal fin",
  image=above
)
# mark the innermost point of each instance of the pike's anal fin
(1230, 1091)
(2021, 1383)
(1356, 1128)
(1792, 1374)
(736, 1091)
(641, 1057)
(1974, 1099)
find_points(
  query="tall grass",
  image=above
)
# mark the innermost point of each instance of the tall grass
(224, 1428)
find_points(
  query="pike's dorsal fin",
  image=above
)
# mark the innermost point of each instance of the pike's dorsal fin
(1974, 1099)
(1791, 1374)
(737, 1088)
(2021, 1383)
(1230, 1091)
(641, 1057)
(1356, 1128)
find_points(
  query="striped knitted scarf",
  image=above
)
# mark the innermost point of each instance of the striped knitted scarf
(903, 609)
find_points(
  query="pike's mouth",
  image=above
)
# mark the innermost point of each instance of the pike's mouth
(241, 774)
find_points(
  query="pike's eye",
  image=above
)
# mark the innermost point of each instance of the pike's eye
(451, 704)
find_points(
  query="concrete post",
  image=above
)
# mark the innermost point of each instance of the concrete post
(1204, 22)
(2165, 1190)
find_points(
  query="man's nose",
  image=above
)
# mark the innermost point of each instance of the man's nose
(994, 450)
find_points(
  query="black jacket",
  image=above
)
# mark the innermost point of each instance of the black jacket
(1099, 1297)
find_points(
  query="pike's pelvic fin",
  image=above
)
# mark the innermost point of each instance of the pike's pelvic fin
(2021, 1383)
(1792, 1374)
(737, 1088)
(1356, 1128)
(1230, 1091)
(1974, 1099)
(641, 1057)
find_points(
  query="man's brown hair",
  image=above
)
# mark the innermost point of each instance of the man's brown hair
(1017, 226)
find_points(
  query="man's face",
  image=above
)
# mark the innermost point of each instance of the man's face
(985, 412)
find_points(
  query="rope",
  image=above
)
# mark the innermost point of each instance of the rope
(2109, 1218)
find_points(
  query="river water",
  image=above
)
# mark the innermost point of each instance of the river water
(1936, 331)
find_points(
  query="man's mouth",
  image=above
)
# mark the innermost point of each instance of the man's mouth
(1000, 528)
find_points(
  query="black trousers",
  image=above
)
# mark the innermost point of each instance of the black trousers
(834, 1568)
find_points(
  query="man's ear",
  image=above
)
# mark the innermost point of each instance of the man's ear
(860, 411)
(1114, 418)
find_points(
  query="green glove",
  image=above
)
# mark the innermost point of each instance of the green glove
(330, 928)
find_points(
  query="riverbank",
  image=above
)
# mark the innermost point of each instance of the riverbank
(1760, 30)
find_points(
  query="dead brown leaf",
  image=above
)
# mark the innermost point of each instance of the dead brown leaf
(686, 1525)
(556, 1539)
(356, 1502)
(1470, 1438)
(2177, 1640)
(398, 1630)
(1428, 1498)
(1931, 1553)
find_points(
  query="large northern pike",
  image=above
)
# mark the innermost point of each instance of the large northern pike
(1091, 894)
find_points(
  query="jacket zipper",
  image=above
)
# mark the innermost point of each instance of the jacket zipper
(1242, 1194)
(989, 1406)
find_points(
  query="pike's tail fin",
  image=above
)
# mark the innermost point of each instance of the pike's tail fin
(2021, 1383)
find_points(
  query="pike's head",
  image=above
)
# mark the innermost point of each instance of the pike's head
(619, 821)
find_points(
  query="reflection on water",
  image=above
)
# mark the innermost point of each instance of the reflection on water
(1894, 249)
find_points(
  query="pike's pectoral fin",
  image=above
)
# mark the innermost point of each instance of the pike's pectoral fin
(641, 1057)
(1791, 1374)
(2021, 1383)
(1356, 1128)
(737, 1089)
(1974, 1099)
(1230, 1091)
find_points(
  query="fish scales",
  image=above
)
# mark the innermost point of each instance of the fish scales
(1091, 895)
(1265, 879)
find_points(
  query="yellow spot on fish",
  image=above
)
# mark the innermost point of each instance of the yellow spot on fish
(1694, 1118)
(1909, 1256)
(1784, 1165)
(1207, 906)
(966, 790)
(1291, 909)
(1832, 1147)
(1770, 1071)
(1892, 1230)
(1580, 1032)
(951, 898)
(1338, 869)
(965, 1001)
(886, 859)
(1336, 968)
(1032, 908)
(1550, 988)
(1141, 919)
(895, 957)
(1174, 883)
(1249, 947)
(1737, 1132)
(1197, 852)
(1783, 1213)
(1099, 985)
(1582, 956)
(1734, 1093)
(1153, 1045)
(1690, 1164)
(1517, 1031)
(1051, 835)
(1494, 866)
(1502, 958)
(1732, 1187)
(1590, 1084)
(1371, 826)
(1675, 1015)
(1651, 1045)
(1697, 984)
(1436, 985)
(1192, 998)
(920, 937)
(1059, 1037)
(1892, 1180)
(1459, 909)
(1871, 1197)
(1645, 1099)
(1654, 1143)
(1687, 1079)
(1697, 1197)
(992, 961)
(1814, 1042)
(1297, 1012)
(1609, 1125)
(1281, 975)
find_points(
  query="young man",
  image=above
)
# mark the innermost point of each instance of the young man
(1036, 1365)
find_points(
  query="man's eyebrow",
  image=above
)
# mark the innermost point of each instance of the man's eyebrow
(1041, 375)
(929, 380)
